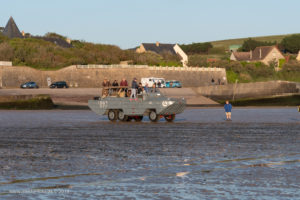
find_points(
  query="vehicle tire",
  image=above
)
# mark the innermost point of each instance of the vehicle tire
(138, 118)
(112, 115)
(122, 116)
(169, 118)
(153, 116)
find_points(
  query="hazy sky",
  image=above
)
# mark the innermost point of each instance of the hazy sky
(127, 23)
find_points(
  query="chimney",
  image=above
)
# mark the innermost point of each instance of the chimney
(157, 44)
(250, 54)
(259, 53)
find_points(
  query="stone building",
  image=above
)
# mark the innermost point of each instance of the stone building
(264, 54)
(160, 48)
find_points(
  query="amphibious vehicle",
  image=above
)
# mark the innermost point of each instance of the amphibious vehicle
(117, 105)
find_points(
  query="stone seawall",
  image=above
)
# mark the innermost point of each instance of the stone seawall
(93, 75)
(248, 90)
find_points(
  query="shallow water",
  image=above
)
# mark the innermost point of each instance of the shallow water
(79, 155)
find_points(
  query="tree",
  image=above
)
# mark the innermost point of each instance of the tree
(54, 35)
(291, 43)
(196, 48)
(251, 44)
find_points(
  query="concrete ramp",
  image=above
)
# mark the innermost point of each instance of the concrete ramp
(192, 98)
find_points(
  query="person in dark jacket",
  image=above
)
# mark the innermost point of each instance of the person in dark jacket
(134, 87)
(159, 84)
(115, 83)
(228, 108)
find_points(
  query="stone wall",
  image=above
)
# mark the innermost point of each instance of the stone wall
(93, 75)
(248, 90)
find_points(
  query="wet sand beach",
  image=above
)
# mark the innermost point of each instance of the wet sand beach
(61, 154)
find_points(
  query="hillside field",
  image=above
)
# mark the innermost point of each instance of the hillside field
(226, 43)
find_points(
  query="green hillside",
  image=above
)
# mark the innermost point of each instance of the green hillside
(43, 53)
(226, 43)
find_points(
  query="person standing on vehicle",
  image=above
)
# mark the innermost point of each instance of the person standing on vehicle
(134, 87)
(124, 83)
(115, 84)
(105, 85)
(146, 88)
(228, 108)
(153, 89)
(159, 84)
(140, 89)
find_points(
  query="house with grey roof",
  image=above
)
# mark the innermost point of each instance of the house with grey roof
(160, 48)
(264, 54)
(11, 29)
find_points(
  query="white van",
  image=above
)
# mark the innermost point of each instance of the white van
(152, 80)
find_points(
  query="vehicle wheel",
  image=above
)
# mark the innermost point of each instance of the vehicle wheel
(112, 115)
(153, 116)
(170, 118)
(122, 116)
(138, 118)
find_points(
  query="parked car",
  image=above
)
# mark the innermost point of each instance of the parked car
(173, 84)
(59, 84)
(29, 85)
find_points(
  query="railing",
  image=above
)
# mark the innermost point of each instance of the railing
(150, 67)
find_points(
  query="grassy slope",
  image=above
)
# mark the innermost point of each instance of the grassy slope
(227, 43)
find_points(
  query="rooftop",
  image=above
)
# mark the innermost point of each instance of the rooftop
(11, 29)
(159, 47)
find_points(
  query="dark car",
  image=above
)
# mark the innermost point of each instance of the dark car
(29, 85)
(59, 84)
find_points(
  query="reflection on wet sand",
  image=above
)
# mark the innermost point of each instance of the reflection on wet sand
(197, 156)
